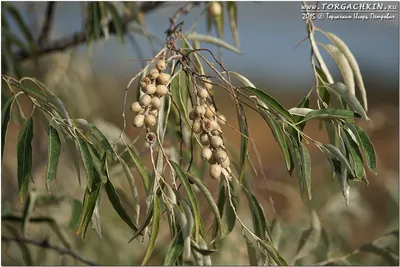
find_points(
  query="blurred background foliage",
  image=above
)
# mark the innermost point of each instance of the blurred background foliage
(91, 81)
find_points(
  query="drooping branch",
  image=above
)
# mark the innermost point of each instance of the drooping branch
(45, 244)
(48, 21)
(80, 37)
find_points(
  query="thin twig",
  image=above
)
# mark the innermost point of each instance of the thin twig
(45, 244)
(48, 21)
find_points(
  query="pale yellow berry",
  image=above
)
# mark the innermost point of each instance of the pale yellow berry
(215, 125)
(153, 74)
(204, 139)
(161, 65)
(155, 102)
(220, 155)
(162, 90)
(203, 94)
(206, 153)
(215, 171)
(153, 112)
(150, 120)
(215, 9)
(196, 127)
(149, 89)
(210, 112)
(136, 107)
(163, 78)
(208, 84)
(145, 81)
(226, 163)
(207, 125)
(138, 120)
(221, 119)
(200, 111)
(216, 141)
(145, 100)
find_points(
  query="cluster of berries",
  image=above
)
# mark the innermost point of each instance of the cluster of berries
(154, 87)
(207, 124)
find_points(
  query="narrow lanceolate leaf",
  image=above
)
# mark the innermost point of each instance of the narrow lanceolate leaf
(98, 162)
(145, 223)
(133, 187)
(183, 221)
(389, 256)
(76, 210)
(96, 222)
(102, 139)
(212, 40)
(116, 203)
(244, 141)
(339, 156)
(341, 90)
(277, 131)
(306, 167)
(271, 103)
(272, 252)
(251, 252)
(296, 158)
(366, 145)
(175, 249)
(119, 28)
(24, 158)
(5, 118)
(352, 148)
(353, 64)
(343, 65)
(328, 114)
(309, 238)
(243, 79)
(89, 203)
(322, 91)
(192, 199)
(232, 13)
(230, 210)
(54, 150)
(87, 162)
(222, 198)
(140, 166)
(154, 231)
(343, 178)
(72, 147)
(203, 188)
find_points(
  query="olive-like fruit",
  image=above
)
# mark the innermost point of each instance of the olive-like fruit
(153, 74)
(208, 84)
(136, 107)
(210, 112)
(216, 141)
(207, 125)
(220, 155)
(145, 100)
(206, 153)
(151, 138)
(215, 9)
(149, 89)
(138, 120)
(204, 139)
(155, 102)
(145, 81)
(162, 90)
(192, 115)
(163, 78)
(150, 120)
(154, 112)
(203, 94)
(161, 65)
(200, 111)
(226, 163)
(221, 119)
(197, 127)
(215, 171)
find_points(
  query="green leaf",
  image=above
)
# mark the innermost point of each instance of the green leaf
(31, 92)
(230, 213)
(322, 91)
(270, 102)
(117, 22)
(76, 207)
(175, 249)
(180, 94)
(212, 40)
(276, 232)
(154, 231)
(232, 14)
(294, 150)
(341, 90)
(54, 150)
(24, 158)
(13, 39)
(352, 148)
(87, 162)
(116, 203)
(140, 166)
(390, 257)
(202, 251)
(89, 203)
(306, 167)
(220, 204)
(334, 152)
(243, 79)
(132, 186)
(277, 131)
(366, 145)
(309, 239)
(343, 178)
(98, 162)
(102, 139)
(5, 118)
(244, 141)
(145, 223)
(203, 188)
(328, 114)
(192, 199)
(96, 20)
(251, 252)
(271, 251)
(72, 147)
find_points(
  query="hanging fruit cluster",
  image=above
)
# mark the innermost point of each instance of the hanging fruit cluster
(154, 87)
(207, 124)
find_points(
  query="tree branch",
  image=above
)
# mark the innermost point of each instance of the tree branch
(45, 244)
(80, 37)
(48, 21)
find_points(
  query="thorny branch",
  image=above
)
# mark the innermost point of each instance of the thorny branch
(45, 244)
(80, 37)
